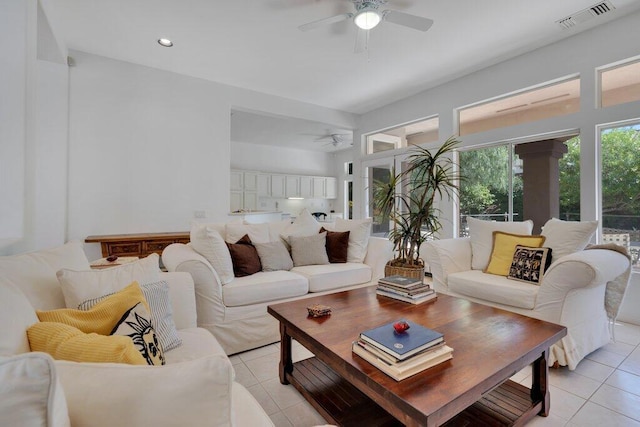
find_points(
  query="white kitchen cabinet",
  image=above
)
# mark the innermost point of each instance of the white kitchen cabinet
(264, 185)
(292, 186)
(278, 186)
(318, 187)
(250, 201)
(306, 187)
(236, 201)
(250, 181)
(331, 188)
(237, 181)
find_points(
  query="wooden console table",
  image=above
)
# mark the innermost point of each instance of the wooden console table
(140, 244)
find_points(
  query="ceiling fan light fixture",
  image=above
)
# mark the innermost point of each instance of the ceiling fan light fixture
(367, 18)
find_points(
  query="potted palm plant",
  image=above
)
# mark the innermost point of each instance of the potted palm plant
(412, 210)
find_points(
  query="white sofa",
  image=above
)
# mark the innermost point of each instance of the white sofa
(196, 387)
(571, 292)
(236, 312)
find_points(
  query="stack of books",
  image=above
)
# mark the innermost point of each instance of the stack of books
(401, 355)
(405, 289)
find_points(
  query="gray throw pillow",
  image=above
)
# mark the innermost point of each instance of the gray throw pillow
(274, 256)
(309, 250)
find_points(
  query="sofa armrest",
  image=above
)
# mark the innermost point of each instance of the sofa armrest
(379, 251)
(193, 393)
(30, 392)
(183, 299)
(585, 269)
(447, 256)
(208, 287)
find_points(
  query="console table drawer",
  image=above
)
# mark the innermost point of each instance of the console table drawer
(139, 245)
(122, 249)
(156, 247)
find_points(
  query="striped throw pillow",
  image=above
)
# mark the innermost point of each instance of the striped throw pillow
(157, 296)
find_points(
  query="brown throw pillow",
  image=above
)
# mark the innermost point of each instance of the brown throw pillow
(244, 257)
(337, 245)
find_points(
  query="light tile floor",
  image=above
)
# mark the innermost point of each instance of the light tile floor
(604, 390)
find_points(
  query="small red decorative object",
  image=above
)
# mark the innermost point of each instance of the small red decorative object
(401, 326)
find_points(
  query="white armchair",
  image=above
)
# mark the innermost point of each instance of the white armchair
(571, 293)
(196, 387)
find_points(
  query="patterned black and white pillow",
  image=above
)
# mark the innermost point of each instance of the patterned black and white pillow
(135, 323)
(157, 296)
(529, 264)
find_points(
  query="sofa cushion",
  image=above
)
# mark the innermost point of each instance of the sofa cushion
(529, 264)
(16, 315)
(64, 342)
(209, 243)
(35, 273)
(264, 287)
(157, 296)
(481, 235)
(79, 286)
(567, 237)
(30, 393)
(359, 232)
(337, 245)
(103, 316)
(498, 289)
(304, 225)
(196, 343)
(504, 246)
(334, 276)
(244, 257)
(309, 250)
(274, 256)
(258, 233)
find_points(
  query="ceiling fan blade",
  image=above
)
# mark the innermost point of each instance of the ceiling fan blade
(407, 20)
(362, 41)
(326, 21)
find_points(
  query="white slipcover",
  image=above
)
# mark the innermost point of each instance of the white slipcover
(571, 292)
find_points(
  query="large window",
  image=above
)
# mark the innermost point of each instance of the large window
(620, 84)
(417, 133)
(620, 166)
(552, 100)
(492, 188)
(491, 185)
(569, 168)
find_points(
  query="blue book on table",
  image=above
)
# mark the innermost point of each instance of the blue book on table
(404, 345)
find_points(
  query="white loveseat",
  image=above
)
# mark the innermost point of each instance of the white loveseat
(571, 292)
(236, 312)
(196, 387)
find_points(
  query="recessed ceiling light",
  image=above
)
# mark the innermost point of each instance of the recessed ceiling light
(165, 42)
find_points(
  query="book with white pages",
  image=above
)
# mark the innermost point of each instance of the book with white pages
(407, 368)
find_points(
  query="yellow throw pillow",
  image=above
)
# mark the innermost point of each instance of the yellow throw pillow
(64, 342)
(504, 246)
(103, 316)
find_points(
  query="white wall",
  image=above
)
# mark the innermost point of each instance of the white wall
(149, 147)
(14, 55)
(33, 130)
(268, 158)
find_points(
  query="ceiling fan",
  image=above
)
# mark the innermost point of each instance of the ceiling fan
(367, 16)
(336, 139)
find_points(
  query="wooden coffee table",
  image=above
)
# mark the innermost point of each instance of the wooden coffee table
(490, 345)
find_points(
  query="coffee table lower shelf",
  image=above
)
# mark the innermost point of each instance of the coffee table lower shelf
(343, 404)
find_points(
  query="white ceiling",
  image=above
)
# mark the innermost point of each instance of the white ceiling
(255, 44)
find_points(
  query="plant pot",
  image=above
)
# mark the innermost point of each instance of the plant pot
(412, 272)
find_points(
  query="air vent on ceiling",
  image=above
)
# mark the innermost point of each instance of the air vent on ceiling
(586, 14)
